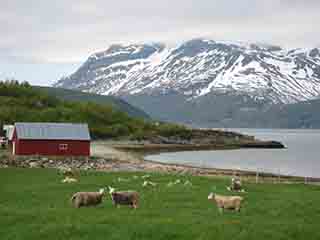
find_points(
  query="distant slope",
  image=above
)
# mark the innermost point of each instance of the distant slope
(20, 102)
(73, 95)
(24, 103)
(300, 115)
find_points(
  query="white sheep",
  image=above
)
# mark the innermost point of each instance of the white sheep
(120, 179)
(68, 179)
(149, 183)
(124, 198)
(170, 184)
(177, 181)
(226, 202)
(145, 176)
(187, 183)
(85, 199)
(236, 185)
(68, 172)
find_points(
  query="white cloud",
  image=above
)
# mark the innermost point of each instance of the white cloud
(43, 31)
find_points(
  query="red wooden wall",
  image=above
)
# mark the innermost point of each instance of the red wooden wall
(51, 147)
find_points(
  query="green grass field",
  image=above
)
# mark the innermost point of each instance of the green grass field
(35, 205)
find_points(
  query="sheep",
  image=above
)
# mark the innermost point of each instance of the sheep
(177, 181)
(187, 183)
(170, 184)
(145, 176)
(85, 199)
(120, 179)
(69, 180)
(68, 172)
(236, 185)
(226, 202)
(124, 198)
(149, 183)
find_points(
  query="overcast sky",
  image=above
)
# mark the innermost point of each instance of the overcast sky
(41, 40)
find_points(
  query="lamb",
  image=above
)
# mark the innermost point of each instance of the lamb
(170, 184)
(86, 199)
(68, 172)
(236, 185)
(69, 180)
(123, 179)
(124, 198)
(226, 202)
(149, 183)
(145, 176)
(187, 183)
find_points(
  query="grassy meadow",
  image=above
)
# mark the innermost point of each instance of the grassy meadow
(35, 205)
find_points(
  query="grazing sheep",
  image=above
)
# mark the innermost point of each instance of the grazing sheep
(69, 180)
(120, 179)
(68, 172)
(145, 176)
(124, 198)
(149, 183)
(170, 184)
(226, 202)
(187, 183)
(85, 199)
(236, 185)
(177, 181)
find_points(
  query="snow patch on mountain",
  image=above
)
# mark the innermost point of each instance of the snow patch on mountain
(198, 67)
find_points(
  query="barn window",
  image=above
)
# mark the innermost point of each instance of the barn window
(63, 146)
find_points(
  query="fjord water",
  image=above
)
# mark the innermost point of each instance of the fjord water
(300, 158)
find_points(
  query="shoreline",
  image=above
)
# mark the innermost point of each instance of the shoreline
(146, 150)
(205, 171)
(121, 156)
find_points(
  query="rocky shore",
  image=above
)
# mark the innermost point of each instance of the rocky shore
(107, 158)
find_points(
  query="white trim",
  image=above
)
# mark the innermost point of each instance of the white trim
(13, 147)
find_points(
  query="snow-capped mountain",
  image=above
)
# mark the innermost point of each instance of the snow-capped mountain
(199, 67)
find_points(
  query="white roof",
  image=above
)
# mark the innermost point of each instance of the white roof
(52, 131)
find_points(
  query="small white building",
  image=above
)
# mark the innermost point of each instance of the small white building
(8, 131)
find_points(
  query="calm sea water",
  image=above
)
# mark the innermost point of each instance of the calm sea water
(301, 158)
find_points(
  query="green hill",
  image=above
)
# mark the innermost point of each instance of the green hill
(24, 103)
(73, 95)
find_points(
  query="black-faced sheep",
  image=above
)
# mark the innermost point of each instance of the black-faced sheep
(86, 199)
(130, 198)
(236, 185)
(226, 202)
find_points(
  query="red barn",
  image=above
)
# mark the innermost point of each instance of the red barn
(51, 139)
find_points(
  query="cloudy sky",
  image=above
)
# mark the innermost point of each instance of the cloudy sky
(41, 40)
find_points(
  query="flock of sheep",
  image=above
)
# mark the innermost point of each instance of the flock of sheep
(131, 198)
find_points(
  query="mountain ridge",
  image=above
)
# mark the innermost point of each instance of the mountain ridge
(214, 83)
(198, 67)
